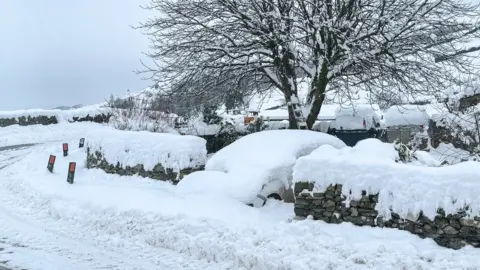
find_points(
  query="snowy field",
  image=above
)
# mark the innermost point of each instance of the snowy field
(110, 222)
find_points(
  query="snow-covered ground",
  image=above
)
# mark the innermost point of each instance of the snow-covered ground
(110, 222)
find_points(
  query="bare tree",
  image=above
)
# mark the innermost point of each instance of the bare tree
(409, 47)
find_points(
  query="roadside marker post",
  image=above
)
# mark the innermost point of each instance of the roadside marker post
(82, 143)
(65, 149)
(51, 163)
(71, 172)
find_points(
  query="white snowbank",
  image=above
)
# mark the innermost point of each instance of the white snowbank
(61, 115)
(353, 117)
(406, 115)
(218, 184)
(258, 158)
(131, 148)
(449, 153)
(403, 189)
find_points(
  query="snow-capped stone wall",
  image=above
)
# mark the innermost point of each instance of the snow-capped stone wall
(28, 120)
(95, 159)
(161, 156)
(368, 185)
(452, 230)
(49, 117)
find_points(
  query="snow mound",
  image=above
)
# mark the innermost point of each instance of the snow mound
(406, 115)
(131, 148)
(258, 158)
(61, 115)
(403, 188)
(217, 184)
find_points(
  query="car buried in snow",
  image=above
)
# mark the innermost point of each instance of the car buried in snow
(256, 167)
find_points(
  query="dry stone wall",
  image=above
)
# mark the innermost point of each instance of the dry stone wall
(452, 231)
(96, 160)
(50, 120)
(28, 120)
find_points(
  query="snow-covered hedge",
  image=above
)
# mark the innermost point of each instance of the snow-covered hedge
(47, 117)
(368, 187)
(156, 155)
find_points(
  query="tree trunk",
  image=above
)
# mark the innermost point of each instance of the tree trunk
(319, 85)
(292, 118)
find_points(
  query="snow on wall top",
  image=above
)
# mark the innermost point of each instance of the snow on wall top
(61, 115)
(403, 189)
(406, 115)
(268, 155)
(131, 148)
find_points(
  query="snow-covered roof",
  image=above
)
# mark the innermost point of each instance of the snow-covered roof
(406, 115)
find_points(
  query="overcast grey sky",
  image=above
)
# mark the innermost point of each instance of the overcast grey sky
(66, 52)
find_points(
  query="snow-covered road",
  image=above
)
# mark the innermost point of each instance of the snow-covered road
(109, 222)
(29, 241)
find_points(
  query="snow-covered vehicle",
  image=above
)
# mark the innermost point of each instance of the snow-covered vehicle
(257, 166)
(356, 123)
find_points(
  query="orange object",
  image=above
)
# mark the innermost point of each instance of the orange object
(65, 146)
(247, 120)
(52, 159)
(72, 167)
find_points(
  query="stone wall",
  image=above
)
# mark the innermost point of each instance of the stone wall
(50, 120)
(452, 231)
(98, 118)
(28, 120)
(96, 160)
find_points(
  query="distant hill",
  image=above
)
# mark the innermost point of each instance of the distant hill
(64, 108)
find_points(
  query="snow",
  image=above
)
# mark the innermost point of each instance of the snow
(327, 112)
(15, 134)
(406, 115)
(352, 117)
(258, 158)
(449, 153)
(217, 183)
(106, 221)
(61, 115)
(404, 189)
(130, 148)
